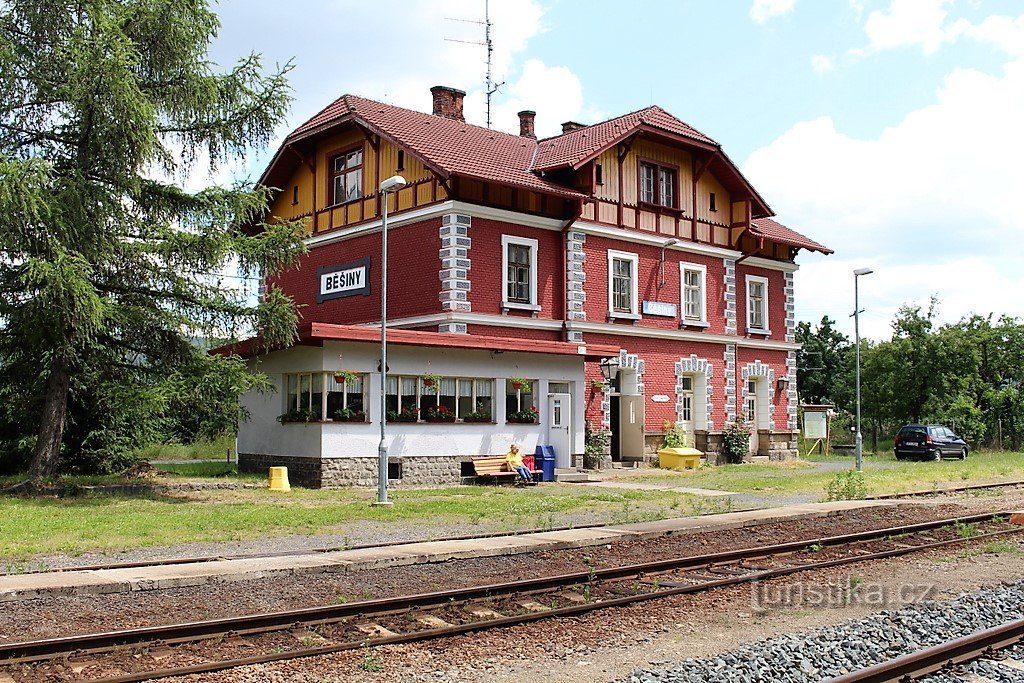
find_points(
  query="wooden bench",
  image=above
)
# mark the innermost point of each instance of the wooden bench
(495, 468)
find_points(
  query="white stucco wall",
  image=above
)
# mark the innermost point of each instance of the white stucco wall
(262, 434)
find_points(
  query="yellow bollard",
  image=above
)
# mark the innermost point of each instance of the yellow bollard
(279, 479)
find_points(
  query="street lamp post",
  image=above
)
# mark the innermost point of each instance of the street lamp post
(392, 184)
(859, 438)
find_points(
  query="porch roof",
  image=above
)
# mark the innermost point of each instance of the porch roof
(315, 334)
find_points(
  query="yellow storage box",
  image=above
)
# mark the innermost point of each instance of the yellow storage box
(679, 458)
(279, 479)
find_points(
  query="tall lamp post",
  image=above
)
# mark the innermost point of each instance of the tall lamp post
(392, 184)
(859, 438)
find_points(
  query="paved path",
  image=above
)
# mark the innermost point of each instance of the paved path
(638, 486)
(26, 586)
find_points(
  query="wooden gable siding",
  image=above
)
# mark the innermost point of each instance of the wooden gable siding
(712, 227)
(423, 188)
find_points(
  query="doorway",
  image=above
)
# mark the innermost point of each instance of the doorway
(560, 428)
(626, 417)
(750, 415)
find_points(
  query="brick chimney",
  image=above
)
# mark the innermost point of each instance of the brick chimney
(448, 102)
(570, 126)
(526, 123)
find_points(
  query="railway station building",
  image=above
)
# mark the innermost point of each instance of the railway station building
(617, 276)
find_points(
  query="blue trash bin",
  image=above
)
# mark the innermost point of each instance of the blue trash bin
(544, 458)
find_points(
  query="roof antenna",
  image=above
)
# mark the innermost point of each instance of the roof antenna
(490, 87)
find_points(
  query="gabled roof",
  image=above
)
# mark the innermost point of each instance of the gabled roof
(777, 232)
(446, 146)
(577, 146)
(454, 148)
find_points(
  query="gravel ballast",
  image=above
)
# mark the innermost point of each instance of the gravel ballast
(833, 651)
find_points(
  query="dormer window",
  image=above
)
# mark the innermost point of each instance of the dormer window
(658, 184)
(346, 176)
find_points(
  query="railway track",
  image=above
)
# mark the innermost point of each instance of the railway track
(205, 646)
(940, 658)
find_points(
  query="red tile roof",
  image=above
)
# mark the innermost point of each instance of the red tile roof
(569, 149)
(451, 147)
(777, 232)
(317, 333)
(448, 146)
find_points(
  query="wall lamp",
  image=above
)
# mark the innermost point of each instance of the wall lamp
(609, 368)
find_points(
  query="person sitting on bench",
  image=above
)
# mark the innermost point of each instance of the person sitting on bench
(515, 463)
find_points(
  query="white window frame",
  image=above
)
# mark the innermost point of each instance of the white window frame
(634, 312)
(532, 244)
(751, 279)
(703, 270)
(325, 378)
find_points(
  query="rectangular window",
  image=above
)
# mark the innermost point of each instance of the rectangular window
(295, 195)
(411, 399)
(520, 405)
(658, 184)
(346, 176)
(647, 173)
(519, 261)
(666, 187)
(622, 283)
(345, 400)
(757, 303)
(401, 160)
(321, 393)
(693, 278)
(711, 202)
(598, 174)
(519, 273)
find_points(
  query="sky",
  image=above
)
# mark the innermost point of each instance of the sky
(890, 131)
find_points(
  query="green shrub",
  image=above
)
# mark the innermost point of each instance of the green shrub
(847, 485)
(596, 441)
(675, 436)
(736, 441)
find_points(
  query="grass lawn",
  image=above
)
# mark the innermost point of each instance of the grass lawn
(40, 525)
(200, 450)
(882, 472)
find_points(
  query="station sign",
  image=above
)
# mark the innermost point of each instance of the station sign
(347, 279)
(659, 308)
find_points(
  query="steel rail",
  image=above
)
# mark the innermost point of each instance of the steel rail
(284, 619)
(41, 649)
(918, 664)
(573, 610)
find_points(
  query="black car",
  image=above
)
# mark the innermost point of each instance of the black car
(931, 442)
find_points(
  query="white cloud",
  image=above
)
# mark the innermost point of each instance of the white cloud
(763, 10)
(927, 23)
(940, 188)
(822, 64)
(912, 22)
(1006, 33)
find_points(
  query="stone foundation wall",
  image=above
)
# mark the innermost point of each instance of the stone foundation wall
(312, 472)
(302, 470)
(711, 444)
(777, 445)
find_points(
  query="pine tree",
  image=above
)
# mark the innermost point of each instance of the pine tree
(107, 267)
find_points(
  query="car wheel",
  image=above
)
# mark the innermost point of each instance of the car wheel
(899, 457)
(963, 453)
(937, 455)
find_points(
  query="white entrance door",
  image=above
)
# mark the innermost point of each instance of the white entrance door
(560, 428)
(686, 405)
(751, 413)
